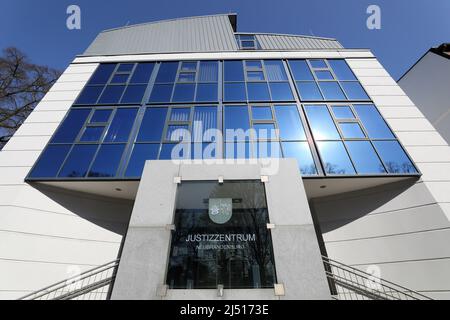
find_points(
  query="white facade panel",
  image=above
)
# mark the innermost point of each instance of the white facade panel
(46, 116)
(57, 225)
(13, 175)
(385, 224)
(392, 248)
(400, 112)
(54, 105)
(399, 100)
(26, 143)
(429, 153)
(18, 158)
(376, 81)
(43, 248)
(407, 124)
(69, 86)
(421, 138)
(383, 90)
(36, 129)
(435, 171)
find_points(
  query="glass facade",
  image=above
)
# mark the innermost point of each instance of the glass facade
(221, 237)
(313, 110)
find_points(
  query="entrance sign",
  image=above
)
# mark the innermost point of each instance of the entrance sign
(221, 237)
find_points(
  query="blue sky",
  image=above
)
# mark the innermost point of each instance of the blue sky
(409, 27)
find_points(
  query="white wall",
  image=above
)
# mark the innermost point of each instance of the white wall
(402, 228)
(427, 84)
(425, 145)
(46, 232)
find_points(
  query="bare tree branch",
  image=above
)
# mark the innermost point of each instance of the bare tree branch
(22, 85)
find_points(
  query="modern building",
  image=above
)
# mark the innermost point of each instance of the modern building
(427, 85)
(183, 159)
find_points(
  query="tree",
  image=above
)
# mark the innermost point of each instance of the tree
(22, 86)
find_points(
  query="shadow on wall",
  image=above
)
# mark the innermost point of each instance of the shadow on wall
(336, 211)
(108, 213)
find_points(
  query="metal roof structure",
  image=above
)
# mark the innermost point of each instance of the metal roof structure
(214, 33)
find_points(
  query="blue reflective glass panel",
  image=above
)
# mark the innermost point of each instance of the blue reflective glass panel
(258, 91)
(309, 91)
(107, 160)
(206, 92)
(133, 94)
(289, 123)
(253, 64)
(248, 44)
(237, 150)
(354, 91)
(334, 157)
(50, 161)
(161, 93)
(281, 91)
(141, 153)
(89, 95)
(186, 77)
(175, 151)
(152, 125)
(233, 71)
(180, 114)
(275, 70)
(246, 37)
(102, 74)
(167, 72)
(125, 67)
(331, 90)
(142, 73)
(184, 93)
(205, 119)
(301, 152)
(300, 70)
(120, 78)
(120, 128)
(101, 115)
(341, 70)
(71, 126)
(208, 71)
(394, 158)
(351, 130)
(189, 66)
(324, 75)
(264, 131)
(318, 63)
(267, 149)
(343, 112)
(373, 122)
(111, 94)
(364, 157)
(177, 132)
(203, 150)
(92, 134)
(236, 117)
(322, 125)
(261, 113)
(235, 91)
(255, 76)
(78, 161)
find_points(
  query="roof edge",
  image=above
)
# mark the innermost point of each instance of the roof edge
(287, 35)
(231, 16)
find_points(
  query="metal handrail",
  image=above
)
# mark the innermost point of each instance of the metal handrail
(73, 281)
(341, 276)
(344, 281)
